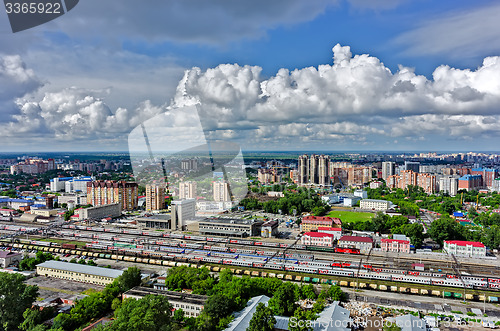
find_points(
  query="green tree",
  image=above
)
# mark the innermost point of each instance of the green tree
(218, 306)
(151, 313)
(178, 315)
(308, 292)
(336, 294)
(283, 301)
(130, 278)
(262, 320)
(445, 228)
(35, 316)
(15, 298)
(301, 320)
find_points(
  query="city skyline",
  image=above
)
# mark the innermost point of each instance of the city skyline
(346, 76)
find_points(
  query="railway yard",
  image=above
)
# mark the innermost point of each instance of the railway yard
(480, 278)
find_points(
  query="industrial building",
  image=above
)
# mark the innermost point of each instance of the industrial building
(78, 272)
(230, 227)
(269, 229)
(157, 221)
(111, 210)
(191, 304)
(8, 258)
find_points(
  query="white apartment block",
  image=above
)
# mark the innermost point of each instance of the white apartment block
(373, 204)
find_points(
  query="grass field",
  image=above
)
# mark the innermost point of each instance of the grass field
(350, 216)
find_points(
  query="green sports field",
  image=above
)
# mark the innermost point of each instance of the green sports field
(350, 216)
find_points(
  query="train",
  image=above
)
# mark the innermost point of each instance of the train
(351, 270)
(157, 234)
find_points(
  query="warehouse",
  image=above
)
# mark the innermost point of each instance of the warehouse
(77, 272)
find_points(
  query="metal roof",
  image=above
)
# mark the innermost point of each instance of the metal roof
(80, 268)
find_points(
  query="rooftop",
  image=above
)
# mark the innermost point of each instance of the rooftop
(242, 318)
(395, 240)
(356, 238)
(238, 221)
(318, 234)
(464, 243)
(80, 268)
(325, 228)
(4, 254)
(171, 295)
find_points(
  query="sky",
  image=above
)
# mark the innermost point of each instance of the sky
(322, 75)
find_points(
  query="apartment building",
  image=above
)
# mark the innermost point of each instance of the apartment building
(107, 192)
(155, 197)
(187, 190)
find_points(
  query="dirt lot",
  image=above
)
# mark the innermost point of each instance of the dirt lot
(53, 287)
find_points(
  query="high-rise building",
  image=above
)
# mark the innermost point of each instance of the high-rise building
(221, 191)
(323, 170)
(413, 166)
(388, 169)
(470, 182)
(155, 197)
(182, 211)
(187, 190)
(409, 177)
(314, 170)
(427, 182)
(449, 184)
(106, 192)
(303, 170)
(358, 176)
(189, 164)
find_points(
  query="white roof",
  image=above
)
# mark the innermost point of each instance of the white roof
(410, 323)
(80, 268)
(242, 318)
(333, 318)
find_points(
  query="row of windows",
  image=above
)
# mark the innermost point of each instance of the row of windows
(65, 272)
(186, 306)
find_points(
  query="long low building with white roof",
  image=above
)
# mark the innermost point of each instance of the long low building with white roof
(78, 272)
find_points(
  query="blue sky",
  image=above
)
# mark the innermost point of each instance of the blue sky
(408, 74)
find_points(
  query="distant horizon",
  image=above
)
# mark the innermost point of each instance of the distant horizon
(261, 151)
